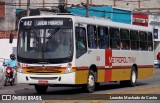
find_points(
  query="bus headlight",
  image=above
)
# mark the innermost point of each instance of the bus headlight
(69, 68)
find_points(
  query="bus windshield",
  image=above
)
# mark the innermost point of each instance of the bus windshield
(45, 43)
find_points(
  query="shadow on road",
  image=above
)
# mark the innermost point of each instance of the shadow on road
(74, 90)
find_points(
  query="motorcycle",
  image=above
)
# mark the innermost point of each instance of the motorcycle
(9, 76)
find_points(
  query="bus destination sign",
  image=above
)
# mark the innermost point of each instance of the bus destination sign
(63, 22)
(49, 22)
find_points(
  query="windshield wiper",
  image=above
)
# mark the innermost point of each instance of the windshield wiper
(53, 32)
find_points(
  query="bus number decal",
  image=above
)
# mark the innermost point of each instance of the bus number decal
(27, 23)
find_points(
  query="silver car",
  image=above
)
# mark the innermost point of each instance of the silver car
(156, 63)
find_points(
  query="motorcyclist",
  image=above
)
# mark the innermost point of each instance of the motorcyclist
(12, 63)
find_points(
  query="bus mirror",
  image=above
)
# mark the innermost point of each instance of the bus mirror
(11, 36)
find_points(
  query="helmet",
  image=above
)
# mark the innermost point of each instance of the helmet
(12, 56)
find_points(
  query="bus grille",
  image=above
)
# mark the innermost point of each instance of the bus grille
(30, 71)
(44, 78)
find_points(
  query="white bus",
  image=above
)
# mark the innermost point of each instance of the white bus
(71, 50)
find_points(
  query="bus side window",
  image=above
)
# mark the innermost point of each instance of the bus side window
(114, 38)
(81, 45)
(92, 37)
(150, 42)
(103, 37)
(143, 40)
(125, 39)
(134, 37)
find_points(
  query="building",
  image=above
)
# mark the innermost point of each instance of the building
(7, 15)
(108, 12)
(7, 24)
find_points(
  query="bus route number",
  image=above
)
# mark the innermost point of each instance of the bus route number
(27, 23)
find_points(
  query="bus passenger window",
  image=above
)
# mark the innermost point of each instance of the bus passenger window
(143, 40)
(115, 44)
(114, 38)
(103, 37)
(92, 37)
(134, 37)
(150, 42)
(124, 34)
(150, 48)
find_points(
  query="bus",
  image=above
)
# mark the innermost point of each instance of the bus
(69, 50)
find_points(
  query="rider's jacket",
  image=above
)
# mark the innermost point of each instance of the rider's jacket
(11, 63)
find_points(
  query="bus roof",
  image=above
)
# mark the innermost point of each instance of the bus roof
(96, 21)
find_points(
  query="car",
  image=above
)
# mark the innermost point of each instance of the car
(156, 63)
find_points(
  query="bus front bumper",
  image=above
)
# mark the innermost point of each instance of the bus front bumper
(68, 78)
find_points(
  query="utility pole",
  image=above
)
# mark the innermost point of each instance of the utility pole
(87, 9)
(43, 3)
(20, 4)
(114, 3)
(28, 7)
(139, 3)
(66, 3)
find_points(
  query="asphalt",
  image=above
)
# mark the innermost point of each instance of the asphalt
(151, 94)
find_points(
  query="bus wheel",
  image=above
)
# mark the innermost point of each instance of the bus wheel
(90, 86)
(133, 79)
(41, 89)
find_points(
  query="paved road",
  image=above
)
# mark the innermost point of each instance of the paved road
(146, 86)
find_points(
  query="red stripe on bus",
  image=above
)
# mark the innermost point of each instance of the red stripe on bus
(108, 54)
(108, 75)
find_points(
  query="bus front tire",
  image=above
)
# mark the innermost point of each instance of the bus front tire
(41, 89)
(90, 86)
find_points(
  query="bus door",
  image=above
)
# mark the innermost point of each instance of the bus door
(81, 46)
(93, 50)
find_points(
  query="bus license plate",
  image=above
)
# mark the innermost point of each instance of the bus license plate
(43, 82)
